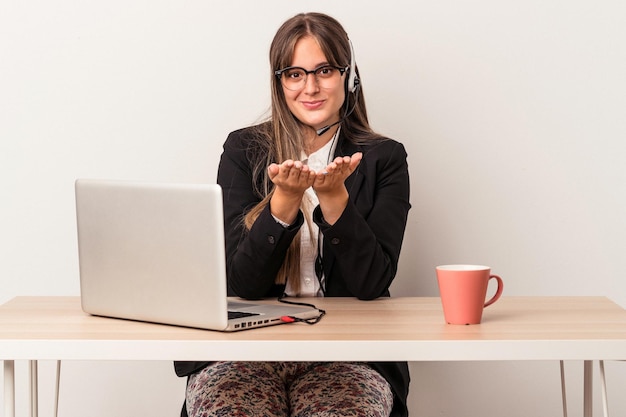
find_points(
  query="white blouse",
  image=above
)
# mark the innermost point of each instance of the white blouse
(310, 286)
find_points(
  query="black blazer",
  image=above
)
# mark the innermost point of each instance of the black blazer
(361, 249)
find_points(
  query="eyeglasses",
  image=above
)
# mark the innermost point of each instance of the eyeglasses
(294, 78)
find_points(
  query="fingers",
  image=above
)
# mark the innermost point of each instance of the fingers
(355, 160)
(291, 175)
(333, 177)
(342, 166)
(273, 170)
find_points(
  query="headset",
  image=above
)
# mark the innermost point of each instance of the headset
(353, 79)
(352, 86)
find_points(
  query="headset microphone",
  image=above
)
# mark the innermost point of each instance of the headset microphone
(352, 86)
(325, 129)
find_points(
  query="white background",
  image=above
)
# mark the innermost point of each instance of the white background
(513, 114)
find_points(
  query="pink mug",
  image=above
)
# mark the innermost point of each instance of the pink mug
(463, 289)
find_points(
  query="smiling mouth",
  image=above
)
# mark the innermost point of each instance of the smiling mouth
(312, 104)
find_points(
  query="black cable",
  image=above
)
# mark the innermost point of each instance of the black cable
(291, 319)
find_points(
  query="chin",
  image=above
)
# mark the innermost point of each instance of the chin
(315, 126)
(316, 123)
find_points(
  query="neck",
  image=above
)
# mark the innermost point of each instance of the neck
(313, 142)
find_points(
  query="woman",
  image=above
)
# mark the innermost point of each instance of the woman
(315, 204)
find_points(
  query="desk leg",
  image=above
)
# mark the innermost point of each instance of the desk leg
(9, 388)
(563, 389)
(56, 389)
(588, 389)
(605, 400)
(34, 383)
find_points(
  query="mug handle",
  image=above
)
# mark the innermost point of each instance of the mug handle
(498, 291)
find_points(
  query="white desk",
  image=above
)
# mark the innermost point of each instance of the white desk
(395, 329)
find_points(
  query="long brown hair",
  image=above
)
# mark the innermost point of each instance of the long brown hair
(282, 137)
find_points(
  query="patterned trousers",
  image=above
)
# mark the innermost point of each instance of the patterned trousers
(294, 389)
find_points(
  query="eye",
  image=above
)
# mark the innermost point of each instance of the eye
(325, 72)
(294, 74)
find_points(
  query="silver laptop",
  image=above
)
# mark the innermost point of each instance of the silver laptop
(155, 252)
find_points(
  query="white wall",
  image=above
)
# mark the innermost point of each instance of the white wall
(513, 114)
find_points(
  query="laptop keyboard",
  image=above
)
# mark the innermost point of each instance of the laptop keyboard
(240, 314)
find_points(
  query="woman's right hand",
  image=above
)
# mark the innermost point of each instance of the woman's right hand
(291, 179)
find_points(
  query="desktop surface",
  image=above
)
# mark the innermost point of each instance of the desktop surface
(399, 328)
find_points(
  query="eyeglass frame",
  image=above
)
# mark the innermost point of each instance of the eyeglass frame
(279, 73)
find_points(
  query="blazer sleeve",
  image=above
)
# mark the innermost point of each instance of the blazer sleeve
(361, 250)
(253, 257)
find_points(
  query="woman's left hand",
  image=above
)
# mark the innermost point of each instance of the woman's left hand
(334, 175)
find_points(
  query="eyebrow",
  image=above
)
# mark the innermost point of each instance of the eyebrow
(315, 67)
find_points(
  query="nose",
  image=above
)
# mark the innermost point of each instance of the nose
(311, 86)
